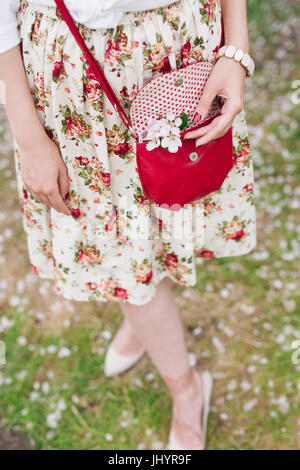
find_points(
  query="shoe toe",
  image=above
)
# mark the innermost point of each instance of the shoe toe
(116, 363)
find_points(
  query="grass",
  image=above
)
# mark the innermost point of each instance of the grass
(240, 321)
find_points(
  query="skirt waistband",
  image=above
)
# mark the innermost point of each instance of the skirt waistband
(130, 17)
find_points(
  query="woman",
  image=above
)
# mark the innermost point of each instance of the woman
(75, 161)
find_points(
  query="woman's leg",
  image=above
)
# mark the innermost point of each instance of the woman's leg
(126, 341)
(159, 329)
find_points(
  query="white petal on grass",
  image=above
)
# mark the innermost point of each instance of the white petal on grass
(245, 385)
(21, 375)
(230, 396)
(224, 293)
(45, 387)
(61, 405)
(228, 331)
(264, 360)
(157, 445)
(197, 331)
(250, 405)
(277, 284)
(251, 369)
(150, 376)
(75, 399)
(136, 381)
(232, 385)
(50, 435)
(5, 324)
(239, 432)
(5, 380)
(218, 344)
(247, 309)
(51, 349)
(36, 385)
(106, 334)
(192, 359)
(289, 305)
(282, 403)
(51, 420)
(34, 396)
(20, 286)
(64, 352)
(280, 338)
(14, 301)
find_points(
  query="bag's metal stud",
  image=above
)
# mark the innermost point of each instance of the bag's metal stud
(178, 82)
(193, 156)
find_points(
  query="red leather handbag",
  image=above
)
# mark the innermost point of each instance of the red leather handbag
(172, 171)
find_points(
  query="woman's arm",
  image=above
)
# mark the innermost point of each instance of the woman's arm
(42, 168)
(19, 106)
(227, 78)
(234, 14)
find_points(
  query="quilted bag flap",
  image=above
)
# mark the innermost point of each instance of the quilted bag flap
(177, 91)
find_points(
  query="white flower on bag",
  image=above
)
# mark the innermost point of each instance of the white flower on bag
(172, 142)
(164, 132)
(153, 144)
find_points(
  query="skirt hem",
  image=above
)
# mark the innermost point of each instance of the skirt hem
(159, 279)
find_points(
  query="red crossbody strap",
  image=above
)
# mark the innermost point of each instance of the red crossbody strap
(95, 68)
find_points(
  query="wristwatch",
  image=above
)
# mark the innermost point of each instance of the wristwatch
(238, 55)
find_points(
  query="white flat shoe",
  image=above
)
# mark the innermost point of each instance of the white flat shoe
(207, 382)
(116, 363)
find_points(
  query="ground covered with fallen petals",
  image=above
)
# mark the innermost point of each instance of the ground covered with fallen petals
(242, 321)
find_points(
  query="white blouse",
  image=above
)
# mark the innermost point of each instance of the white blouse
(91, 13)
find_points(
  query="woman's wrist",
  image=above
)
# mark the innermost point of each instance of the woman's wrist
(35, 135)
(239, 56)
(233, 66)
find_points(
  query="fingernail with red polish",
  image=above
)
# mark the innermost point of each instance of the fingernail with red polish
(197, 117)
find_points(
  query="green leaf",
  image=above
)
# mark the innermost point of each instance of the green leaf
(184, 118)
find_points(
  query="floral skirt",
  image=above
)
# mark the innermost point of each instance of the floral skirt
(116, 245)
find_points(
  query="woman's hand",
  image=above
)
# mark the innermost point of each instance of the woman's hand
(43, 170)
(227, 80)
(44, 173)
